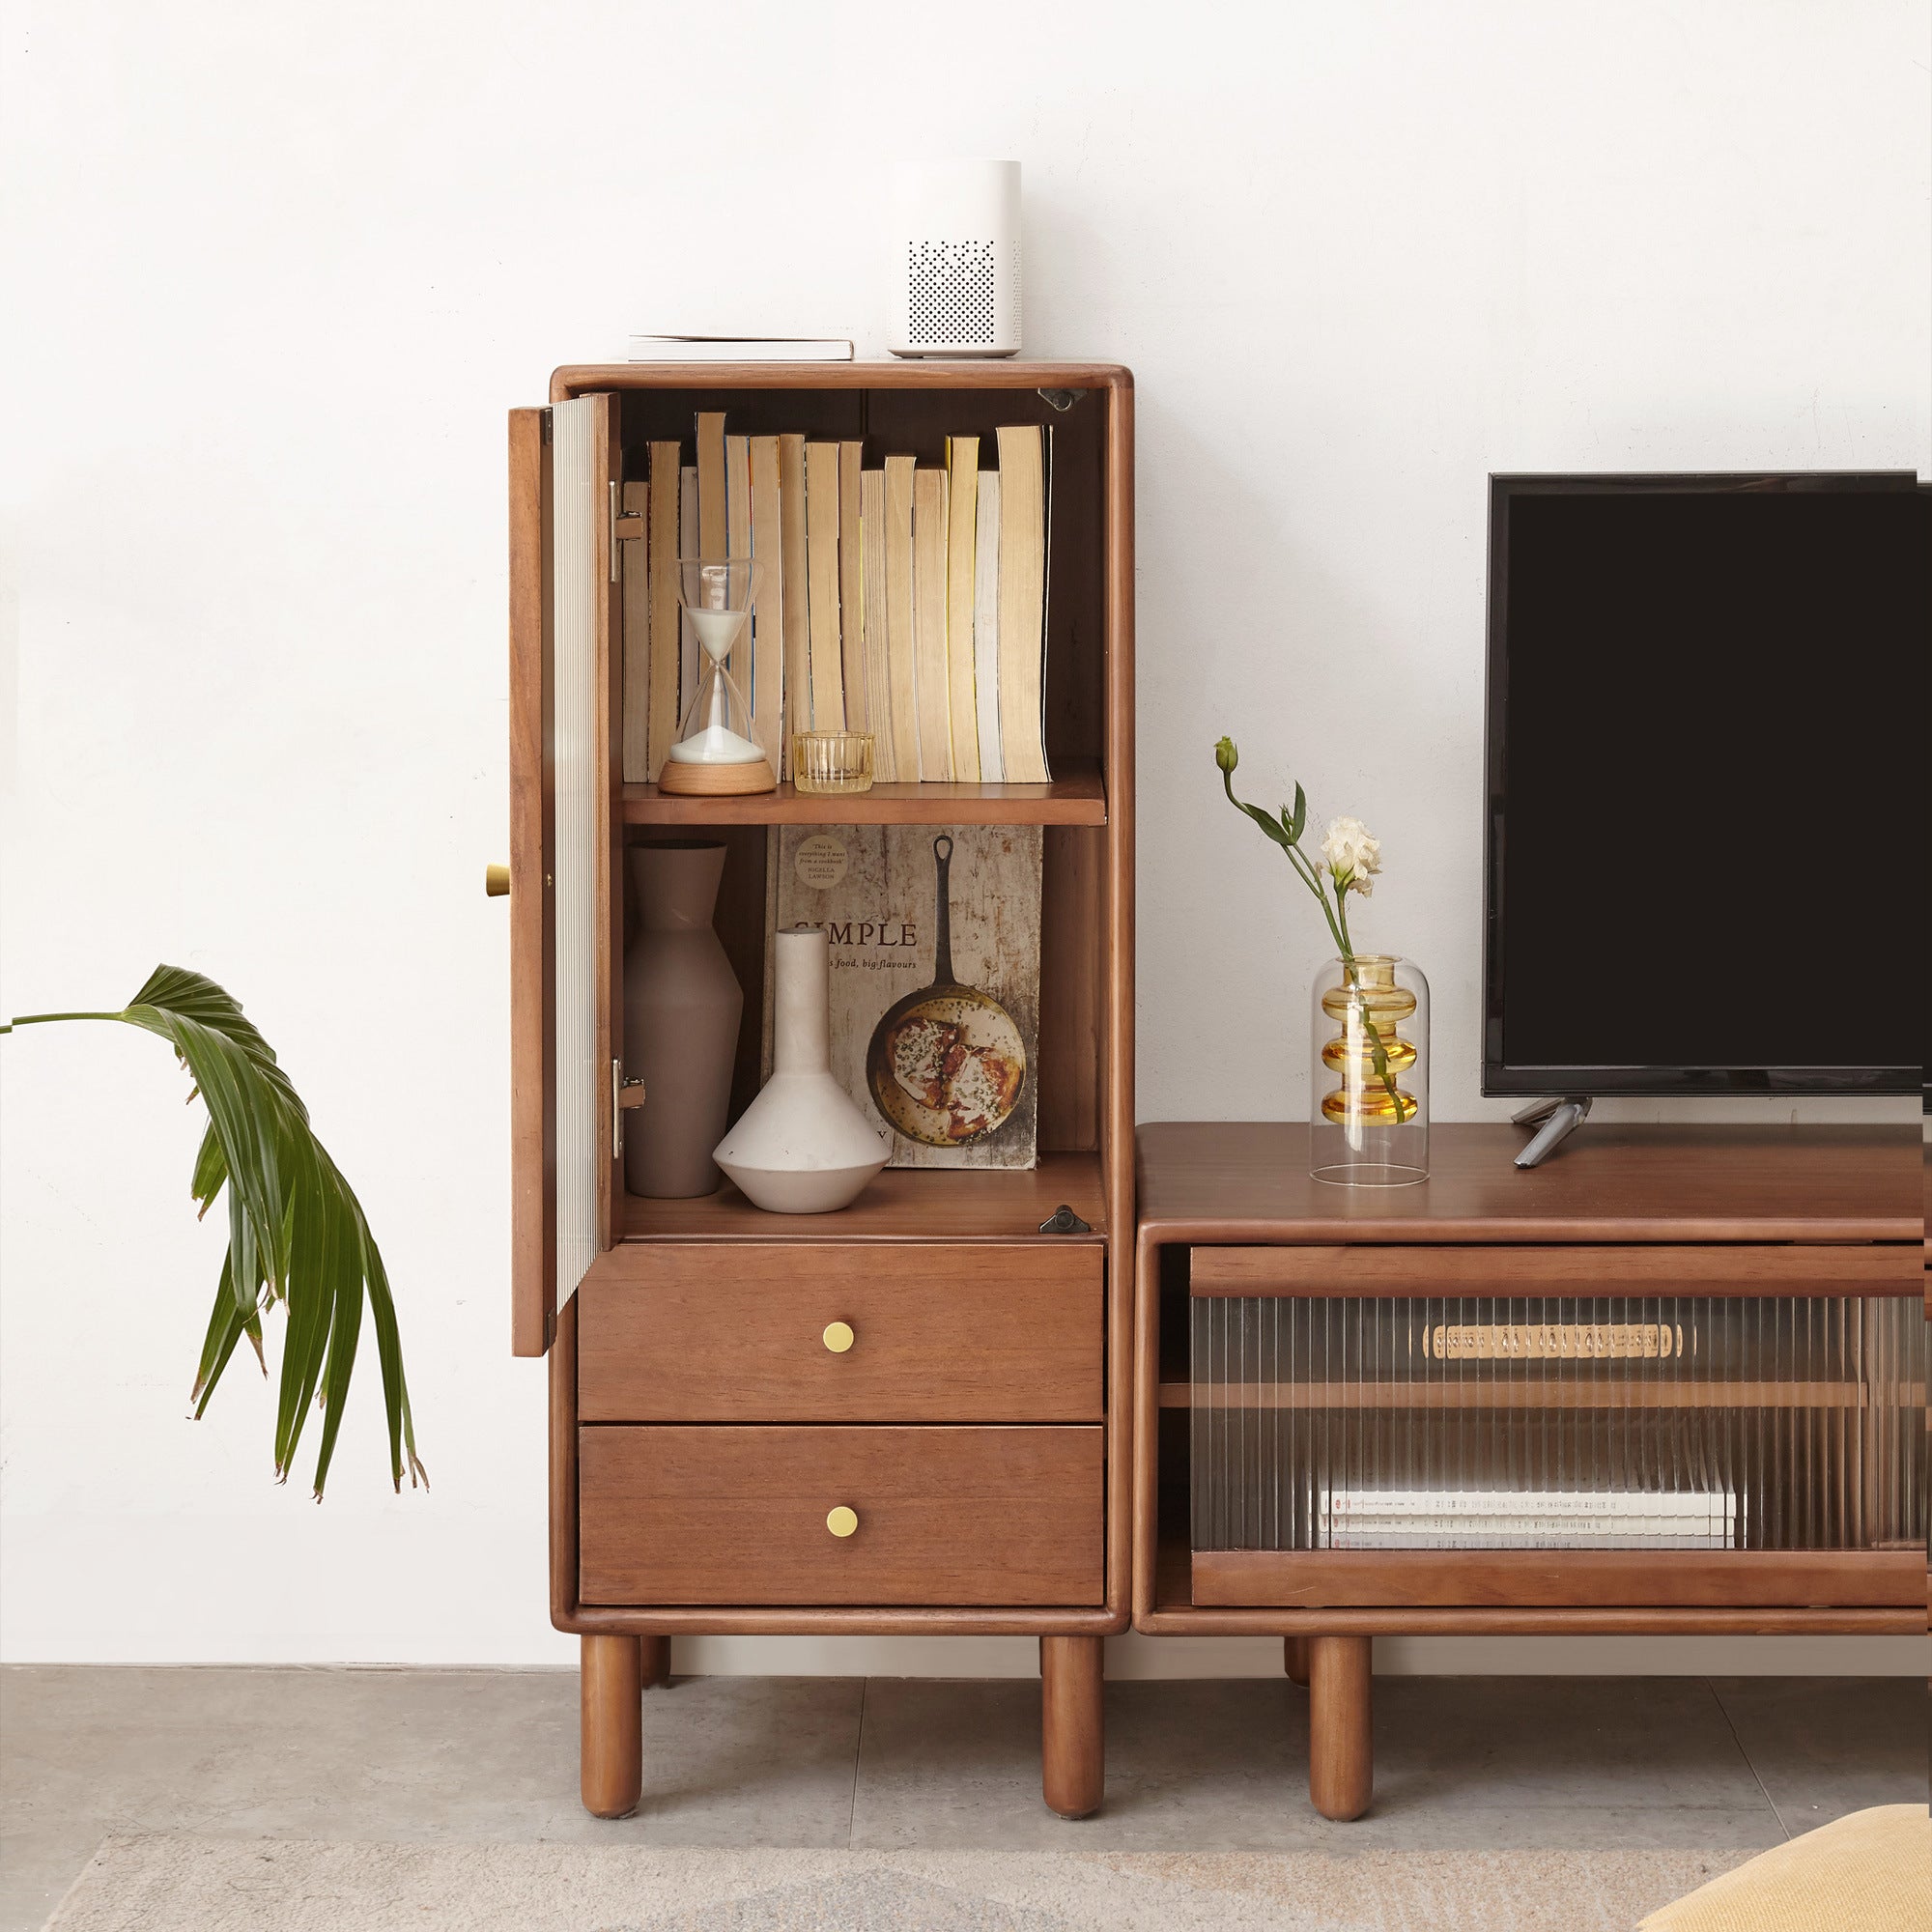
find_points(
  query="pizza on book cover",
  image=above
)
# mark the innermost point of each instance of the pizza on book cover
(935, 941)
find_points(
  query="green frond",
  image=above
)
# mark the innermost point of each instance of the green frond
(296, 1233)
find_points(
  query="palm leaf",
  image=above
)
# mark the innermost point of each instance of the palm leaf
(297, 1232)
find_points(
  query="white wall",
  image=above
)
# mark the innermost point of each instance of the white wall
(274, 273)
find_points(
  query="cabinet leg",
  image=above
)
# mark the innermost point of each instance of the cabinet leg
(653, 1661)
(1341, 1752)
(612, 1726)
(1072, 1726)
(1294, 1660)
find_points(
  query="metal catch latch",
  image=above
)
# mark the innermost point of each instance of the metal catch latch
(1065, 1221)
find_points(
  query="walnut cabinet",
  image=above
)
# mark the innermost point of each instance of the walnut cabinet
(1692, 1355)
(707, 1447)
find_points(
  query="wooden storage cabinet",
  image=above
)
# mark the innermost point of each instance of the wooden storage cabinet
(1747, 1298)
(702, 1426)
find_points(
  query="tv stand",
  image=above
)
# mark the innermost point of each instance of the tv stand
(1554, 1121)
(1788, 1260)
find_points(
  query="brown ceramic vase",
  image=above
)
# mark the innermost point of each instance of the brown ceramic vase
(682, 1006)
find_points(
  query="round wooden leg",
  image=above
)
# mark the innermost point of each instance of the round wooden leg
(1072, 1726)
(653, 1661)
(1294, 1660)
(612, 1721)
(1341, 1754)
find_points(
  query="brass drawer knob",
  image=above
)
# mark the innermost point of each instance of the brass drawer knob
(838, 1336)
(842, 1522)
(496, 881)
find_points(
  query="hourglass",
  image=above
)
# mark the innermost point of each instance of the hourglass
(714, 756)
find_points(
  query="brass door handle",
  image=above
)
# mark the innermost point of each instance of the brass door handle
(496, 881)
(842, 1522)
(838, 1336)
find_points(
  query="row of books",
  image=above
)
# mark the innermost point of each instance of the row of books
(906, 602)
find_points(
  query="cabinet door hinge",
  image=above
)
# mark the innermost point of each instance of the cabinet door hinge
(625, 1093)
(623, 526)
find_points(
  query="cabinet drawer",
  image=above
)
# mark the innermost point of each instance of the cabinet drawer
(938, 1333)
(739, 1516)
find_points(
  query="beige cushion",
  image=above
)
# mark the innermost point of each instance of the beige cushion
(1870, 1872)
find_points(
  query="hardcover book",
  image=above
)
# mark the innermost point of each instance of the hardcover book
(934, 938)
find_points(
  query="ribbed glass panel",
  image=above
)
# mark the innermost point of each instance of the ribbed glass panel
(1473, 1422)
(582, 1086)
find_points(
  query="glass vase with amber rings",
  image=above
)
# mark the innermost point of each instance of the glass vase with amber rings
(1368, 1112)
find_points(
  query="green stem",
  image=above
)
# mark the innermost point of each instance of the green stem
(1378, 1052)
(1311, 879)
(40, 1020)
(1310, 876)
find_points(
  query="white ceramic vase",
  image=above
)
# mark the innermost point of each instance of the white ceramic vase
(801, 1147)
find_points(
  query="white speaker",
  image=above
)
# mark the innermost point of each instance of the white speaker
(955, 252)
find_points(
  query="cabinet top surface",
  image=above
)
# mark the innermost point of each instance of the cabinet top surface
(576, 379)
(1235, 1182)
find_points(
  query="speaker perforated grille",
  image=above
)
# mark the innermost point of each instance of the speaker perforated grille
(950, 290)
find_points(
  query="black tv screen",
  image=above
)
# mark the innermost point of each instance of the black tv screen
(1707, 736)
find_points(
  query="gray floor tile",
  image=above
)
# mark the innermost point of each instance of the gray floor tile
(476, 1756)
(1529, 1744)
(1223, 1766)
(742, 1761)
(947, 1762)
(36, 1869)
(1825, 1745)
(1198, 1766)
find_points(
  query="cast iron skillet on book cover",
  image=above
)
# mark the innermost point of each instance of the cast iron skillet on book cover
(946, 1065)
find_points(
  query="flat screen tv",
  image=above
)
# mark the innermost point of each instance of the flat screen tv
(1705, 766)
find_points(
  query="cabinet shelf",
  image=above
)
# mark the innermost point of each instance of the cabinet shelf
(902, 1205)
(1078, 797)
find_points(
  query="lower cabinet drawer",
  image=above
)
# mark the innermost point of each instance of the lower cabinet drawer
(931, 1516)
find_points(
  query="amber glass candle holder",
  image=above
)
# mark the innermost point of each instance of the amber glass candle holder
(832, 761)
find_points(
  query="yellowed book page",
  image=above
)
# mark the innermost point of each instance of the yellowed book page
(689, 544)
(902, 663)
(665, 613)
(987, 626)
(738, 543)
(928, 582)
(767, 679)
(962, 499)
(821, 535)
(878, 674)
(636, 565)
(711, 507)
(1022, 604)
(797, 712)
(851, 589)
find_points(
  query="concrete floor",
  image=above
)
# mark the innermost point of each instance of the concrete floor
(908, 1762)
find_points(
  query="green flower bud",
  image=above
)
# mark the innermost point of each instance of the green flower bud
(1225, 755)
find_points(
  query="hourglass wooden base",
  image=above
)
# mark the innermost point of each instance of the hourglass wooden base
(701, 781)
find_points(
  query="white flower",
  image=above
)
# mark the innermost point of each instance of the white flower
(1354, 855)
